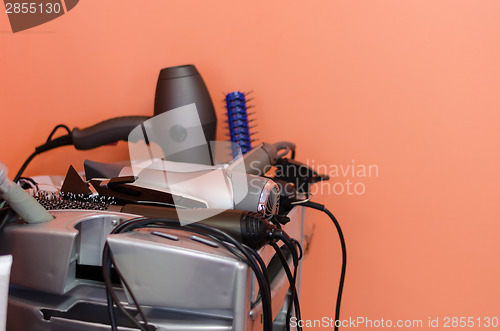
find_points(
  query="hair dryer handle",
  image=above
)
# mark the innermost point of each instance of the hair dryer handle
(106, 132)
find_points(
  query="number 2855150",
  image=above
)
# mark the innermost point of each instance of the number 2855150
(32, 8)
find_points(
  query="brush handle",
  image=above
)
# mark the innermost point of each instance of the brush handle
(24, 204)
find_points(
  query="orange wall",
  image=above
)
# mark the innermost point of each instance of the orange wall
(409, 86)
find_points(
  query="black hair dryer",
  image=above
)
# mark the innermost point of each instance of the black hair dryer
(182, 85)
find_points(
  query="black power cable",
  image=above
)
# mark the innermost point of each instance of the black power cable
(322, 208)
(295, 258)
(25, 164)
(107, 262)
(6, 214)
(213, 233)
(49, 144)
(112, 299)
(59, 126)
(292, 280)
(262, 265)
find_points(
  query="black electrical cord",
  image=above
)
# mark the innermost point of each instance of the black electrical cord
(112, 299)
(125, 283)
(262, 265)
(25, 164)
(322, 208)
(250, 250)
(231, 249)
(299, 247)
(49, 144)
(107, 262)
(6, 214)
(291, 303)
(295, 258)
(213, 233)
(33, 183)
(59, 126)
(293, 282)
(111, 312)
(261, 274)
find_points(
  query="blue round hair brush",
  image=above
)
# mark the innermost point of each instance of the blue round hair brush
(238, 122)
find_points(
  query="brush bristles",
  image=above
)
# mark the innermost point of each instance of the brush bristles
(237, 120)
(61, 200)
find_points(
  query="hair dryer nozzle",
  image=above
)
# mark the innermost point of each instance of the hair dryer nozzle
(180, 86)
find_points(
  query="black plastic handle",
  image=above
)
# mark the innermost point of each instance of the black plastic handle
(106, 132)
